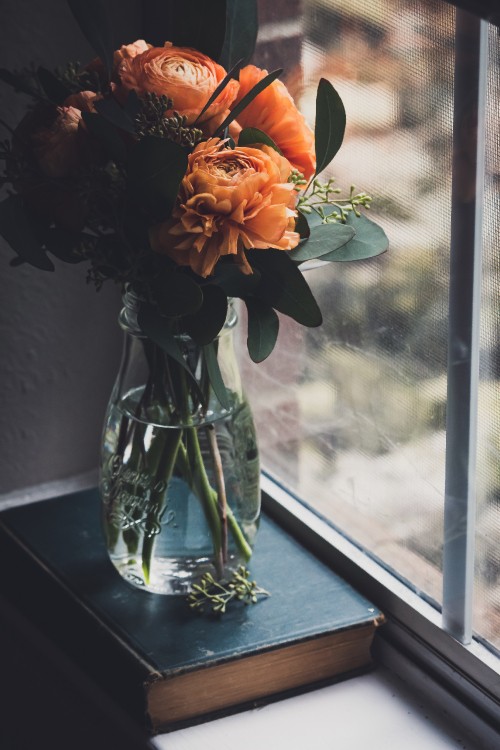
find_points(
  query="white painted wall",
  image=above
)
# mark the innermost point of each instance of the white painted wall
(59, 340)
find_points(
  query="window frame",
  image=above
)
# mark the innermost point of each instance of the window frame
(465, 679)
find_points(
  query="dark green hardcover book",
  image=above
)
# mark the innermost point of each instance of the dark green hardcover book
(165, 664)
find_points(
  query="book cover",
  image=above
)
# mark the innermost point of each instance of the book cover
(165, 664)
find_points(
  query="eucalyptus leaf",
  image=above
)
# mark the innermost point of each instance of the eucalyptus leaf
(263, 328)
(55, 89)
(322, 241)
(330, 124)
(369, 241)
(156, 328)
(241, 32)
(251, 136)
(115, 114)
(302, 226)
(233, 281)
(15, 228)
(255, 91)
(133, 105)
(207, 322)
(156, 167)
(102, 129)
(176, 294)
(214, 373)
(94, 22)
(283, 286)
(195, 23)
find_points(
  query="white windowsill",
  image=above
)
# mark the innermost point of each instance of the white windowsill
(375, 711)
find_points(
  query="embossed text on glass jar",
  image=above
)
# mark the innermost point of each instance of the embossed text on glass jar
(179, 472)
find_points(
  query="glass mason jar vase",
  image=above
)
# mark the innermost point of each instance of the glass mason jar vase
(179, 476)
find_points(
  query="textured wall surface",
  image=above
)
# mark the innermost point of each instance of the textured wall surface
(59, 340)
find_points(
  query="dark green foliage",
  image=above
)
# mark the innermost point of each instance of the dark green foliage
(263, 328)
(330, 124)
(283, 287)
(241, 32)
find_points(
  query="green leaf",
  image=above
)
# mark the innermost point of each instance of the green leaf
(101, 129)
(214, 373)
(251, 136)
(330, 124)
(322, 241)
(55, 89)
(93, 20)
(115, 114)
(15, 228)
(207, 322)
(233, 281)
(241, 32)
(302, 226)
(255, 91)
(283, 286)
(156, 167)
(369, 241)
(263, 328)
(176, 294)
(133, 105)
(222, 85)
(195, 23)
(155, 327)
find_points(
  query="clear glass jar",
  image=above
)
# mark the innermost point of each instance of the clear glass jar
(179, 475)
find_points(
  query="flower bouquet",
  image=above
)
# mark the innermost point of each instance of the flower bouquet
(190, 182)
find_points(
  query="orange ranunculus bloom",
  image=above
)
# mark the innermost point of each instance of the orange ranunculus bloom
(185, 75)
(129, 51)
(274, 112)
(230, 200)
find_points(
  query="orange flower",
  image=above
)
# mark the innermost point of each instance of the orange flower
(83, 100)
(185, 75)
(56, 146)
(129, 51)
(230, 200)
(274, 112)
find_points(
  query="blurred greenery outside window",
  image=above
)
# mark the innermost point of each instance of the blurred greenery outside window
(352, 416)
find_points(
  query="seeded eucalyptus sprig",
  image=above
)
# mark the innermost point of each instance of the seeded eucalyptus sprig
(151, 120)
(219, 594)
(324, 194)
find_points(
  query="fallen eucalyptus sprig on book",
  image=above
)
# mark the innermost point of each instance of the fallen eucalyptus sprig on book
(219, 594)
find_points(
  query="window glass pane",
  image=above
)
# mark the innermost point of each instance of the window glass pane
(487, 578)
(351, 416)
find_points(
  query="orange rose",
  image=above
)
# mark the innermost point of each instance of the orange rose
(186, 76)
(274, 112)
(230, 200)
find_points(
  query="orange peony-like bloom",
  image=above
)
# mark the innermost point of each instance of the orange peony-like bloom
(274, 112)
(185, 75)
(230, 200)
